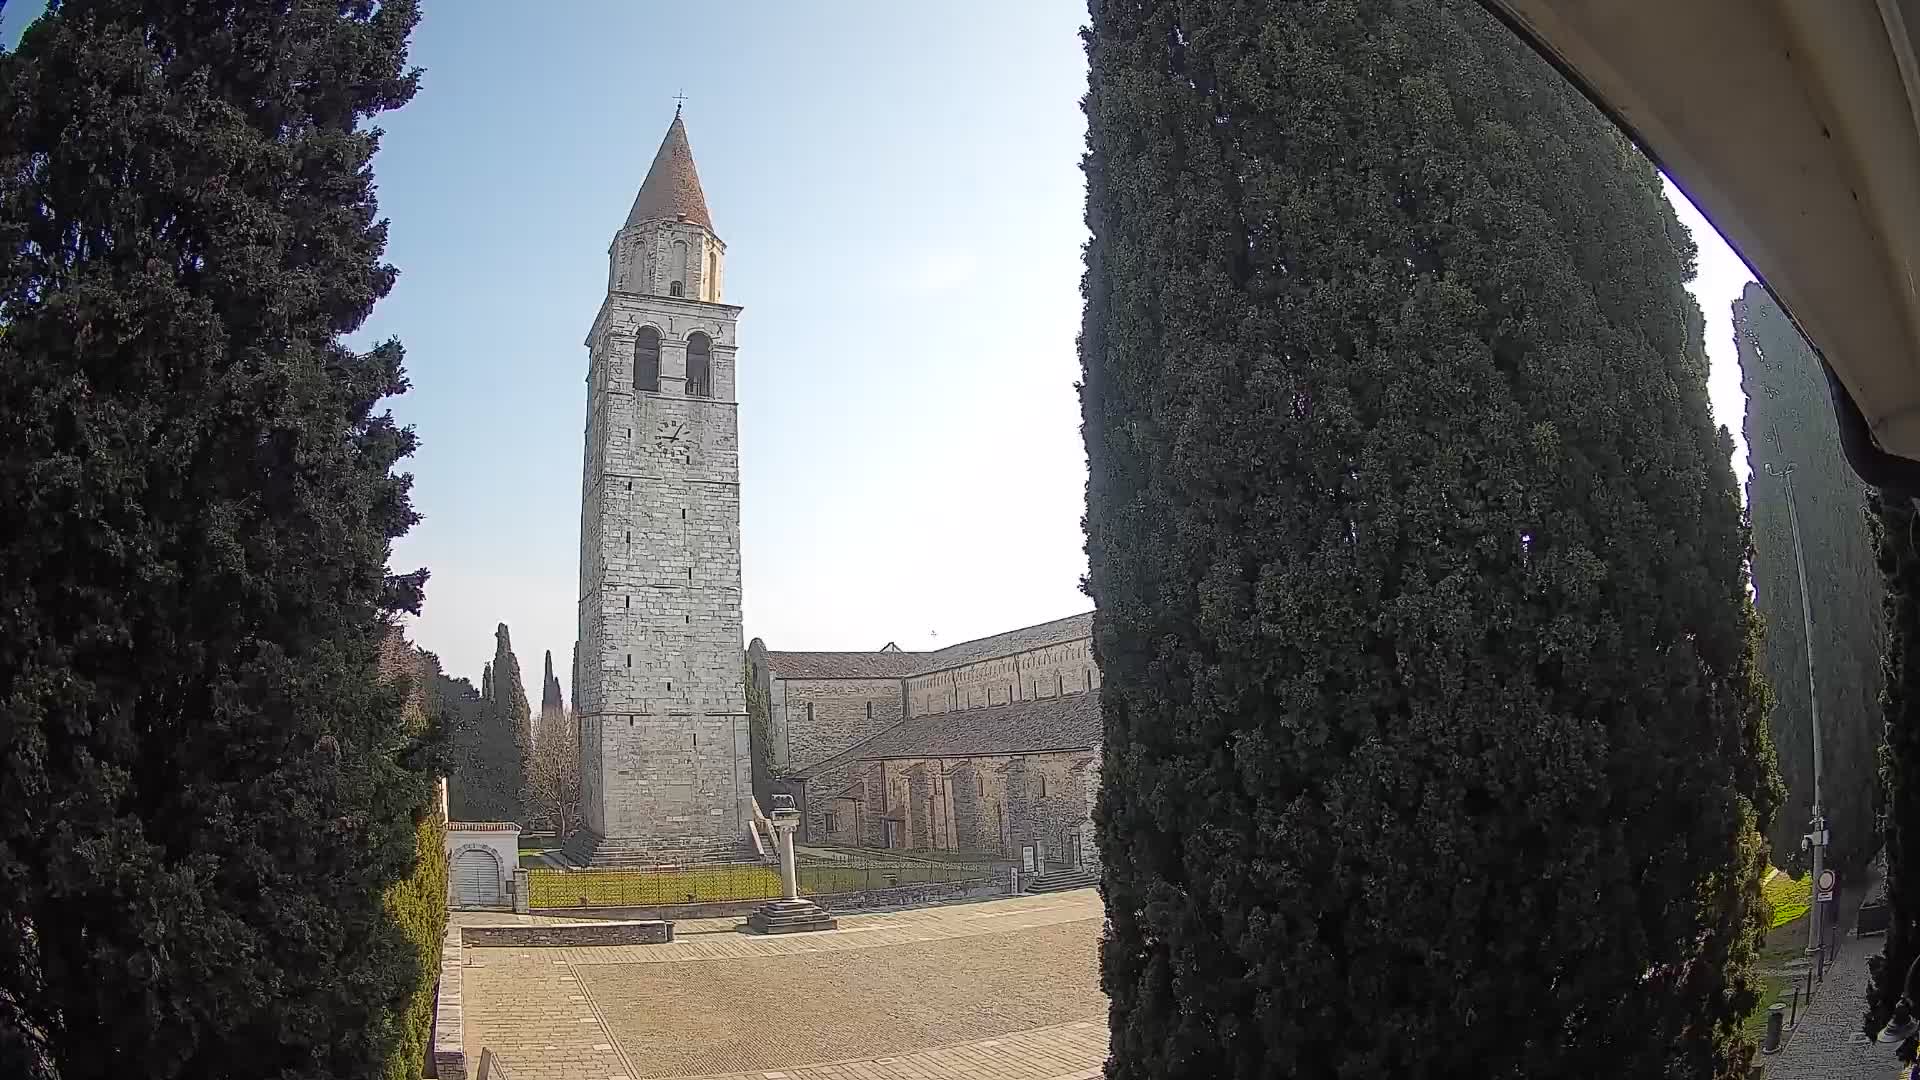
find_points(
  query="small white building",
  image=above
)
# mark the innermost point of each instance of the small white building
(481, 859)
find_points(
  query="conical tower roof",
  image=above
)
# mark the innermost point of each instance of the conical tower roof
(672, 187)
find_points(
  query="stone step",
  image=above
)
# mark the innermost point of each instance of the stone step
(1062, 880)
(790, 917)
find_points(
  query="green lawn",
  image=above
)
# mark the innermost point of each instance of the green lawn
(547, 888)
(1772, 988)
(1790, 899)
(650, 888)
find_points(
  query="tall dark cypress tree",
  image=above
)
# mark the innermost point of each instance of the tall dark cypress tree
(1435, 745)
(1789, 421)
(205, 786)
(1897, 541)
(463, 710)
(510, 728)
(488, 773)
(551, 702)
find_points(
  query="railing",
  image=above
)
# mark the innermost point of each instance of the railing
(727, 882)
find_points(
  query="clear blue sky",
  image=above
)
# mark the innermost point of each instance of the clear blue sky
(898, 185)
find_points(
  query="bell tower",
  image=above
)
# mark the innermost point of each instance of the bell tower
(659, 696)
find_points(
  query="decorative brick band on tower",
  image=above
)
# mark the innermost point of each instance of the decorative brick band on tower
(666, 774)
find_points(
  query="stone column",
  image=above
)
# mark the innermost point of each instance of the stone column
(790, 914)
(784, 822)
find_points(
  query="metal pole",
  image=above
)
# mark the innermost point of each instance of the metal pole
(1817, 838)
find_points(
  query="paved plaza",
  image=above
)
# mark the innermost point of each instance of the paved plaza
(1002, 990)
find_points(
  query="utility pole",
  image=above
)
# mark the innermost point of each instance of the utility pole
(1815, 842)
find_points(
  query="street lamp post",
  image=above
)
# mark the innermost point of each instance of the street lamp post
(1816, 840)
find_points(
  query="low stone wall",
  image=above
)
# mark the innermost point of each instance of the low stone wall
(631, 932)
(449, 1031)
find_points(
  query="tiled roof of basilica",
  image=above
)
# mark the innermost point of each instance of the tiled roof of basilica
(843, 665)
(894, 664)
(1071, 722)
(1071, 628)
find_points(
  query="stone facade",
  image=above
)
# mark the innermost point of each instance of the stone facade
(812, 718)
(982, 782)
(995, 805)
(1065, 667)
(662, 712)
(989, 746)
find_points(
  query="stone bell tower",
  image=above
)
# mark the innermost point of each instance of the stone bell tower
(659, 694)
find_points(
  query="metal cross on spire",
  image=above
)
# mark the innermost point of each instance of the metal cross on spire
(679, 99)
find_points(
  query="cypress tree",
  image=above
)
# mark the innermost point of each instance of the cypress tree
(1897, 542)
(489, 775)
(417, 904)
(206, 789)
(1434, 740)
(510, 728)
(551, 703)
(1790, 421)
(463, 709)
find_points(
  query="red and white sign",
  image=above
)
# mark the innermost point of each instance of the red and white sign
(1823, 889)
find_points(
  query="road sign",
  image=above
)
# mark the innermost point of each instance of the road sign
(1823, 889)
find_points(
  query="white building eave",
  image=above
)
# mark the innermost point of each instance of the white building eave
(1794, 125)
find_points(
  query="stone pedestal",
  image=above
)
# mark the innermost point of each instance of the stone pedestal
(790, 917)
(790, 914)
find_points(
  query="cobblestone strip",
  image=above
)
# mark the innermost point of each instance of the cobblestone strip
(1062, 1052)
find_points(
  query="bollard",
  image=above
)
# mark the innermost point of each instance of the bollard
(1794, 1019)
(1776, 1014)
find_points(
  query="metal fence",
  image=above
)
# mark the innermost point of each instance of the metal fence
(713, 883)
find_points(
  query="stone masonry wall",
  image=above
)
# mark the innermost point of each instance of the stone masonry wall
(641, 260)
(982, 804)
(815, 719)
(659, 692)
(1090, 791)
(1037, 673)
(979, 798)
(636, 932)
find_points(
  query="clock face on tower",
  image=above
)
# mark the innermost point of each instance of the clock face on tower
(670, 439)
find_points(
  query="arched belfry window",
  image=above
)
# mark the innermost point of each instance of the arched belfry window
(699, 366)
(646, 360)
(713, 276)
(677, 285)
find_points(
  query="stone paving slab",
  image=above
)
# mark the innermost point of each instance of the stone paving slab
(1003, 990)
(1062, 1052)
(720, 939)
(767, 1013)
